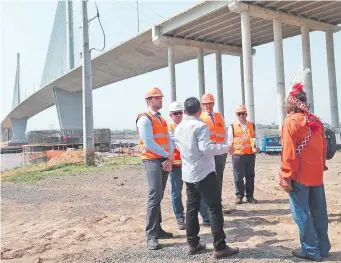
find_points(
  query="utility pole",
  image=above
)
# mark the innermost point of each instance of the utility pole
(69, 35)
(88, 128)
(138, 16)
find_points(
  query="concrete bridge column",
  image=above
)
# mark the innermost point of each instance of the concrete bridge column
(278, 41)
(201, 72)
(19, 130)
(247, 64)
(171, 66)
(308, 81)
(6, 134)
(69, 108)
(242, 79)
(220, 93)
(334, 109)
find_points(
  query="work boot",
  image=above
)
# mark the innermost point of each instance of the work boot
(164, 235)
(251, 200)
(181, 223)
(239, 200)
(194, 249)
(297, 253)
(228, 209)
(153, 244)
(226, 252)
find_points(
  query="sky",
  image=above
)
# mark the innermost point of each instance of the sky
(26, 28)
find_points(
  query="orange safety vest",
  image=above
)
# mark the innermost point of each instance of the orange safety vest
(217, 129)
(241, 140)
(177, 157)
(160, 134)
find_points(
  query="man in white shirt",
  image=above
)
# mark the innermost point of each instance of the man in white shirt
(244, 137)
(192, 139)
(176, 114)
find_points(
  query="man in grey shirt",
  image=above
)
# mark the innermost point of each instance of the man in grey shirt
(192, 139)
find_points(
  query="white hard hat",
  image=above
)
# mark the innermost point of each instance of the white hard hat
(175, 106)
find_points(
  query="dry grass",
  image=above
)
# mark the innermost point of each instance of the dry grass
(38, 172)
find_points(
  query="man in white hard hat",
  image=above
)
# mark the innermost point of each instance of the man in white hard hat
(176, 114)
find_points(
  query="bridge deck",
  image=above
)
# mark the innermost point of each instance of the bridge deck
(210, 21)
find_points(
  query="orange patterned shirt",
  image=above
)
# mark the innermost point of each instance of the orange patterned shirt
(308, 167)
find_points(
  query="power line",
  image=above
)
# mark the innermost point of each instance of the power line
(138, 19)
(140, 10)
(99, 20)
(152, 11)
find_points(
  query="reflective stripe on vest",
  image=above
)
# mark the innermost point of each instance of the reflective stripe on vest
(177, 157)
(160, 135)
(217, 129)
(241, 140)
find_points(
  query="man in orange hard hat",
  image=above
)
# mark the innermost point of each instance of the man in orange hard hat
(244, 137)
(157, 158)
(218, 134)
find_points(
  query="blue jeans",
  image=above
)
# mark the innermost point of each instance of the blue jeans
(177, 184)
(309, 210)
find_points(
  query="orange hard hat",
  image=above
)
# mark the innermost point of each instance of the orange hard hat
(207, 98)
(241, 108)
(153, 92)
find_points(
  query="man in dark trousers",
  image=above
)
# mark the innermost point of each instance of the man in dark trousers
(192, 139)
(157, 158)
(244, 137)
(218, 134)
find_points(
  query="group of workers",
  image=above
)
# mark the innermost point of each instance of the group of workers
(193, 149)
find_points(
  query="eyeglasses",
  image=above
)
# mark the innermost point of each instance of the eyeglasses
(241, 113)
(177, 113)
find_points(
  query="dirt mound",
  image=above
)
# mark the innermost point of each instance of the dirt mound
(99, 216)
(69, 156)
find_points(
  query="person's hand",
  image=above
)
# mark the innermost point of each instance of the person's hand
(285, 183)
(167, 165)
(171, 157)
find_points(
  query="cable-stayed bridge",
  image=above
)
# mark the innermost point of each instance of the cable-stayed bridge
(212, 27)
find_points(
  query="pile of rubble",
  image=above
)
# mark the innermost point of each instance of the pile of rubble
(69, 156)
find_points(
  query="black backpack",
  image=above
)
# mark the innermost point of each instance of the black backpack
(331, 143)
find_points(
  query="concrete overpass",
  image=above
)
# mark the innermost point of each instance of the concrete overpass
(220, 27)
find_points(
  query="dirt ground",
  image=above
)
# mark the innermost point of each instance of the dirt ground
(101, 218)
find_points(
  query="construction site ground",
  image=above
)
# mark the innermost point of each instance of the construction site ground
(99, 216)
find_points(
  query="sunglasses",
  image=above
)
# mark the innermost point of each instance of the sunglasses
(177, 113)
(241, 113)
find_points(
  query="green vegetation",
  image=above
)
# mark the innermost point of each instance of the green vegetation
(39, 172)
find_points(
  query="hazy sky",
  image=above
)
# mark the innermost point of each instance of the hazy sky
(26, 27)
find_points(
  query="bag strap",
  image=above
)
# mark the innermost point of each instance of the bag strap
(303, 144)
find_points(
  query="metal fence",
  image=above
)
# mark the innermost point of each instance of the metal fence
(66, 136)
(56, 154)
